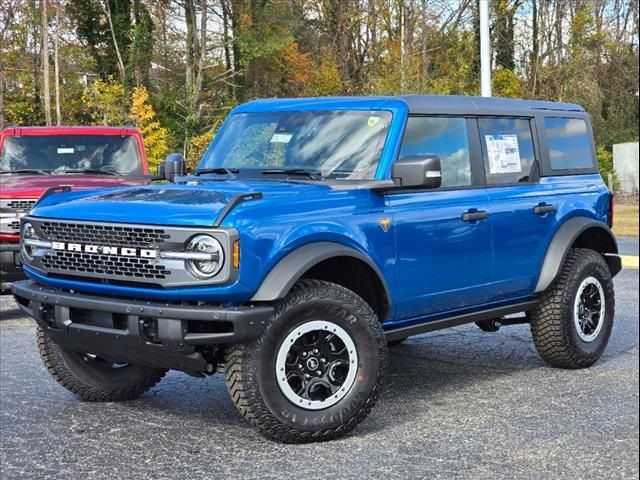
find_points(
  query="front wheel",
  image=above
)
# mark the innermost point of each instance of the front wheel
(316, 371)
(93, 378)
(572, 323)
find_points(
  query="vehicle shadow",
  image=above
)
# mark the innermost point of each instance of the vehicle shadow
(12, 313)
(418, 371)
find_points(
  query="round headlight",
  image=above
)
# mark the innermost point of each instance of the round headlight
(28, 232)
(205, 268)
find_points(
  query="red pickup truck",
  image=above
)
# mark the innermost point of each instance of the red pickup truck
(35, 159)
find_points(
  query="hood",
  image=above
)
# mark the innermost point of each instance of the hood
(24, 186)
(191, 203)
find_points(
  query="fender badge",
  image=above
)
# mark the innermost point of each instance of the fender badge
(385, 223)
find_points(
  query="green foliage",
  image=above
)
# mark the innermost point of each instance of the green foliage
(503, 32)
(507, 84)
(581, 53)
(605, 165)
(143, 117)
(105, 102)
(326, 78)
(142, 42)
(132, 34)
(197, 146)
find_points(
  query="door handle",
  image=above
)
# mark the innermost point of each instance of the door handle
(474, 215)
(544, 208)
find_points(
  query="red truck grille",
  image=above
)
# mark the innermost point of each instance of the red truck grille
(10, 212)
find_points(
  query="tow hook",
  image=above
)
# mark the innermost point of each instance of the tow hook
(149, 330)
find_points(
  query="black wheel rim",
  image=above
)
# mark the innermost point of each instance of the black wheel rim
(316, 365)
(589, 309)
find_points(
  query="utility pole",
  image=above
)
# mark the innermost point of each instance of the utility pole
(485, 49)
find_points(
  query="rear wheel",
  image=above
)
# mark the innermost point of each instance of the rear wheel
(316, 371)
(572, 323)
(93, 378)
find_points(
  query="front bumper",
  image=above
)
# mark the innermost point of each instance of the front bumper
(10, 265)
(161, 335)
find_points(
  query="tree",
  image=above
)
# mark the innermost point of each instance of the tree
(46, 92)
(143, 117)
(119, 36)
(8, 13)
(210, 55)
(105, 102)
(56, 66)
(503, 32)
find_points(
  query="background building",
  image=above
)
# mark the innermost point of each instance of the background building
(625, 165)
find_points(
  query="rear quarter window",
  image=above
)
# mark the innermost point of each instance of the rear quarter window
(568, 143)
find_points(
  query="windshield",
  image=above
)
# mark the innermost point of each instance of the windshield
(338, 144)
(59, 154)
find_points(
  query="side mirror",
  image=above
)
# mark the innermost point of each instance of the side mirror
(173, 165)
(418, 171)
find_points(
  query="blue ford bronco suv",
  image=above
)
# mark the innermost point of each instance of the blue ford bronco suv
(314, 233)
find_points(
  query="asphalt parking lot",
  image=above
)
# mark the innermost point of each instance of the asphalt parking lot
(458, 403)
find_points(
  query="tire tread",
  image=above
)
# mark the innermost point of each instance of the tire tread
(54, 362)
(243, 387)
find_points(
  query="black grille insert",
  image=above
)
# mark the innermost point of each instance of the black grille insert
(111, 265)
(113, 235)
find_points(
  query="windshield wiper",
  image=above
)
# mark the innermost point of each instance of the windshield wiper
(220, 171)
(91, 170)
(25, 170)
(293, 171)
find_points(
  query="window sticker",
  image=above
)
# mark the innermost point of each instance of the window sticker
(503, 153)
(281, 138)
(63, 150)
(373, 121)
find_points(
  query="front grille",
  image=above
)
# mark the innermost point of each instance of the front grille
(110, 265)
(114, 253)
(21, 205)
(120, 236)
(11, 211)
(114, 266)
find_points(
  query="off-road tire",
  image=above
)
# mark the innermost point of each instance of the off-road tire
(251, 373)
(552, 321)
(94, 383)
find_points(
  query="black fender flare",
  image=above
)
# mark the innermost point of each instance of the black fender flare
(293, 266)
(562, 241)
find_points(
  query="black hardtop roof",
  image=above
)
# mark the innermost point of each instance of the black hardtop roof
(442, 104)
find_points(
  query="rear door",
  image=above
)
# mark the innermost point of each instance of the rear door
(523, 210)
(444, 257)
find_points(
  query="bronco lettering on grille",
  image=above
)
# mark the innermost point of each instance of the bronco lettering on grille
(105, 250)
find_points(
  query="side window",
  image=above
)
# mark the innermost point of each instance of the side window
(446, 137)
(568, 142)
(507, 148)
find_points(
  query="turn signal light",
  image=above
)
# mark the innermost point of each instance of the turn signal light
(236, 254)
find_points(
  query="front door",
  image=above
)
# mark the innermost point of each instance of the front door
(443, 236)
